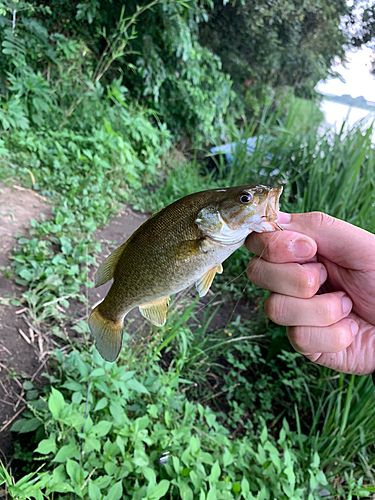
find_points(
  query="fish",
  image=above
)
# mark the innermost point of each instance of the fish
(181, 245)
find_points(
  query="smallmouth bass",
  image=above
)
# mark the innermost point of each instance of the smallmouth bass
(182, 244)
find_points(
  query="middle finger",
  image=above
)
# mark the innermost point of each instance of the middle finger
(297, 280)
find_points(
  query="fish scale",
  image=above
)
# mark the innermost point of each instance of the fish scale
(182, 244)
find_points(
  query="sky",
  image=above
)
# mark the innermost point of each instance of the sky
(358, 80)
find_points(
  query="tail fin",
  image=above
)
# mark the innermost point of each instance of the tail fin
(107, 333)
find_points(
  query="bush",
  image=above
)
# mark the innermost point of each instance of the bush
(132, 434)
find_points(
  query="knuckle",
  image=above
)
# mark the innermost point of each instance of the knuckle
(320, 219)
(307, 284)
(330, 312)
(299, 337)
(254, 270)
(344, 339)
(275, 308)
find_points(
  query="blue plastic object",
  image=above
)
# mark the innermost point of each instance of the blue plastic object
(228, 149)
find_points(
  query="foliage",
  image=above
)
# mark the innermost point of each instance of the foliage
(245, 369)
(81, 144)
(165, 66)
(110, 431)
(137, 436)
(182, 80)
(267, 45)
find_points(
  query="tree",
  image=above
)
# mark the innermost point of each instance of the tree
(276, 43)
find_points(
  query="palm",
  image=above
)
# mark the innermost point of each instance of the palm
(359, 357)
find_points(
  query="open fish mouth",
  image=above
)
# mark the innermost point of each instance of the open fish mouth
(269, 219)
(274, 224)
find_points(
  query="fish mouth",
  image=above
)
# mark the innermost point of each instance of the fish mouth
(269, 219)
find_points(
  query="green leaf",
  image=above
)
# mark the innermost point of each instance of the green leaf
(70, 450)
(136, 386)
(227, 458)
(236, 487)
(215, 473)
(149, 475)
(103, 481)
(24, 425)
(245, 487)
(126, 375)
(73, 386)
(102, 403)
(288, 471)
(98, 372)
(75, 471)
(157, 491)
(56, 403)
(186, 492)
(117, 411)
(212, 494)
(47, 445)
(115, 492)
(102, 428)
(94, 491)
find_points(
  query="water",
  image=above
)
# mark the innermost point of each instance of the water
(336, 113)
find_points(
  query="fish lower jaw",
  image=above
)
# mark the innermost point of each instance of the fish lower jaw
(264, 226)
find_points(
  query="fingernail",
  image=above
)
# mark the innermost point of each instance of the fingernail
(302, 249)
(323, 275)
(354, 327)
(346, 304)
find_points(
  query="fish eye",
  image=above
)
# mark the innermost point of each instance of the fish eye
(245, 198)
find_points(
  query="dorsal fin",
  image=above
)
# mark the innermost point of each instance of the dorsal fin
(107, 268)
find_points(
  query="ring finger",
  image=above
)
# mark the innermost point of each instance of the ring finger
(320, 310)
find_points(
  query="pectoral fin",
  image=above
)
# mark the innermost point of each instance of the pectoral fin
(204, 283)
(156, 311)
(107, 268)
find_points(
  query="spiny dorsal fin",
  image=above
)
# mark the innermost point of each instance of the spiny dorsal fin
(204, 283)
(107, 268)
(156, 311)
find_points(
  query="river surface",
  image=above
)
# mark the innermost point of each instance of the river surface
(336, 114)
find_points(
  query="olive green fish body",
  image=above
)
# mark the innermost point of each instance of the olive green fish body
(182, 244)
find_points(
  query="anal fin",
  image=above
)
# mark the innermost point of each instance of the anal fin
(156, 311)
(204, 283)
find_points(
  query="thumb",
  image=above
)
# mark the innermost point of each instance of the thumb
(340, 242)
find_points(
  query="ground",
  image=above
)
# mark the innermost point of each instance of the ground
(24, 349)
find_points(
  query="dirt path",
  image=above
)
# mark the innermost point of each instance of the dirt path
(17, 207)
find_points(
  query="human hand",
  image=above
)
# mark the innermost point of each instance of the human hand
(321, 272)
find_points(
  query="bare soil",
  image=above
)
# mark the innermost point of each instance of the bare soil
(17, 207)
(26, 359)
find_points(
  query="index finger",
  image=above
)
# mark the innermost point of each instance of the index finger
(338, 241)
(281, 246)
